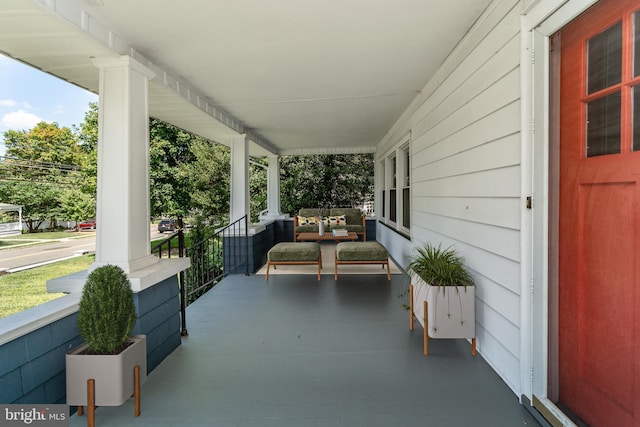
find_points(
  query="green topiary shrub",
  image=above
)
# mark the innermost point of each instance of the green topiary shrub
(107, 313)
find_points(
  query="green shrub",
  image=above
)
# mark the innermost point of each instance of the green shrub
(107, 313)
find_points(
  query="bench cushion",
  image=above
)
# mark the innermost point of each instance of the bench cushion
(302, 251)
(309, 212)
(361, 251)
(353, 215)
(307, 228)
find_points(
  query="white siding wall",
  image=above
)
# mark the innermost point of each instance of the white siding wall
(466, 192)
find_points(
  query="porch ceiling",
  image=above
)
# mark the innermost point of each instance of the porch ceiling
(298, 77)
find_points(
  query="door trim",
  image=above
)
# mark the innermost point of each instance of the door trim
(539, 22)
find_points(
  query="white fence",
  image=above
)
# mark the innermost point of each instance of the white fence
(9, 228)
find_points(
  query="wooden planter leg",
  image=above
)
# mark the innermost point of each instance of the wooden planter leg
(426, 329)
(80, 411)
(91, 403)
(473, 346)
(136, 389)
(411, 307)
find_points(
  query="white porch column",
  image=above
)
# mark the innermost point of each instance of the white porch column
(273, 189)
(123, 165)
(239, 205)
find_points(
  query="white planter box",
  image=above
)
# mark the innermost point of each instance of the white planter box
(113, 374)
(451, 310)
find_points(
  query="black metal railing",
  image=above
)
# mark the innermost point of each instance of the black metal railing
(171, 246)
(212, 258)
(174, 245)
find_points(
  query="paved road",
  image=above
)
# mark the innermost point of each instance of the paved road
(16, 258)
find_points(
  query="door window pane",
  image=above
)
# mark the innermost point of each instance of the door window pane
(636, 44)
(604, 59)
(603, 126)
(636, 118)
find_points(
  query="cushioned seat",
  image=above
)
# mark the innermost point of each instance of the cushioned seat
(355, 220)
(361, 253)
(294, 253)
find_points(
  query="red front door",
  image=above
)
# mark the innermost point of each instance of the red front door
(599, 265)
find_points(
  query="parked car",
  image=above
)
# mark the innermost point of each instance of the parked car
(89, 224)
(167, 225)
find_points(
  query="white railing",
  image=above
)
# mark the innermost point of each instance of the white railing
(9, 228)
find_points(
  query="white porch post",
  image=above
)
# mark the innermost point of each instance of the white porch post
(239, 205)
(123, 165)
(273, 189)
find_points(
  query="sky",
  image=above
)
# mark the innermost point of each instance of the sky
(29, 96)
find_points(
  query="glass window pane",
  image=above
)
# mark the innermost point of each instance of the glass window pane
(603, 126)
(406, 208)
(636, 118)
(384, 204)
(605, 59)
(636, 44)
(392, 205)
(407, 170)
(393, 168)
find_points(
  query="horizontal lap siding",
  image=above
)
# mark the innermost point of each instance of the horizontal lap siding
(466, 151)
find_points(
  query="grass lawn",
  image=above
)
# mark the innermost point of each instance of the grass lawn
(34, 238)
(47, 235)
(25, 289)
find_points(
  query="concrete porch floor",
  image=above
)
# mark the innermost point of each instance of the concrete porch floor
(297, 352)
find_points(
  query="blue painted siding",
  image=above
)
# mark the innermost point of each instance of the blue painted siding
(158, 309)
(32, 367)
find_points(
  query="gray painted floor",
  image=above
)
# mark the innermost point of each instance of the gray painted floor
(297, 352)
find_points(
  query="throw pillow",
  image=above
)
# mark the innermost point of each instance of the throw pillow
(337, 220)
(307, 220)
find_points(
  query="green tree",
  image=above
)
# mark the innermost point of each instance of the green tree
(38, 201)
(169, 153)
(77, 206)
(325, 181)
(209, 180)
(257, 188)
(45, 143)
(39, 165)
(87, 134)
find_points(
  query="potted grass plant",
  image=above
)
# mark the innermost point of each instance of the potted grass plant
(109, 354)
(439, 277)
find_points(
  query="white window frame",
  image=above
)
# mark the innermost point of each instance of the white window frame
(383, 190)
(392, 185)
(397, 159)
(404, 159)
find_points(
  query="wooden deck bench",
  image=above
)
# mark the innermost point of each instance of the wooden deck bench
(287, 253)
(361, 253)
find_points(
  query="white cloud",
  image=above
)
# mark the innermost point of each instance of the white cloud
(20, 120)
(58, 109)
(8, 103)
